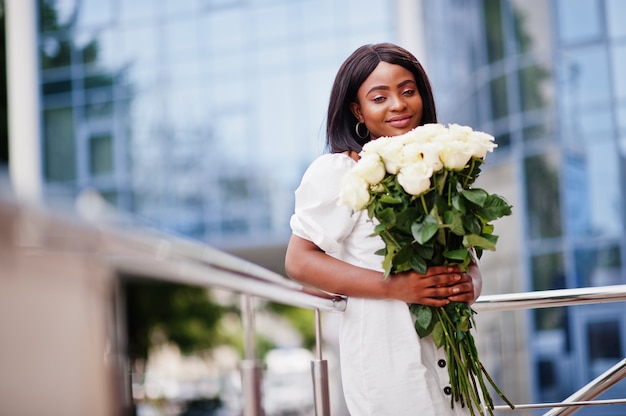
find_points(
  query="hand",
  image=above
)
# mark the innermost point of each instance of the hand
(439, 286)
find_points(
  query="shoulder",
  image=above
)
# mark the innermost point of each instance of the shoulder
(329, 165)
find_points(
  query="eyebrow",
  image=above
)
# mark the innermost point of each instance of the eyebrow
(386, 88)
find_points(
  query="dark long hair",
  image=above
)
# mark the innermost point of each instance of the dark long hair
(340, 122)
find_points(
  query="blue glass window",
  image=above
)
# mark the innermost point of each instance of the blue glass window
(615, 15)
(580, 23)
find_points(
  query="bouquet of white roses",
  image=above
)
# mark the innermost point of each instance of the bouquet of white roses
(418, 187)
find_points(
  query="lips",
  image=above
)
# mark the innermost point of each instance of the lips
(400, 121)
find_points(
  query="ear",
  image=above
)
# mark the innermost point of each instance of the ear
(356, 110)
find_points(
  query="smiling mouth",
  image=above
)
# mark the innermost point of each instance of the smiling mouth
(400, 121)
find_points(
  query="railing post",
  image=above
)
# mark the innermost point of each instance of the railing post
(319, 370)
(251, 372)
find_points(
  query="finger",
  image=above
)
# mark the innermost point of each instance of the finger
(436, 302)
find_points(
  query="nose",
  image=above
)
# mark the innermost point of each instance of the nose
(398, 103)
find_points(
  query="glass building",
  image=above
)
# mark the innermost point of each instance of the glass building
(199, 117)
(547, 79)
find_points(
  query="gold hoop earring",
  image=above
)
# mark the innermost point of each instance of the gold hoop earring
(358, 133)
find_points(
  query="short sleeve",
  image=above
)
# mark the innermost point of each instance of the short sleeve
(317, 216)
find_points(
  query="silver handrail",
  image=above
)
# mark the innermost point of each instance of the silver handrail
(550, 298)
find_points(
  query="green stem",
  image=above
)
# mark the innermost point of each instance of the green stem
(424, 204)
(471, 397)
(469, 174)
(386, 235)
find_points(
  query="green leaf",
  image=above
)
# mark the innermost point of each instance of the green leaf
(387, 216)
(494, 207)
(460, 254)
(438, 335)
(455, 221)
(473, 225)
(477, 196)
(387, 264)
(418, 264)
(423, 319)
(458, 204)
(474, 240)
(390, 199)
(464, 324)
(425, 230)
(424, 251)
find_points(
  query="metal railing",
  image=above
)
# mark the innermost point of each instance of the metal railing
(201, 265)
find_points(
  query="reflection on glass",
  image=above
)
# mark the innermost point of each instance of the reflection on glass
(493, 27)
(531, 81)
(532, 25)
(604, 346)
(59, 146)
(101, 154)
(542, 195)
(579, 23)
(95, 12)
(499, 98)
(547, 274)
(585, 73)
(619, 69)
(591, 192)
(540, 126)
(598, 266)
(615, 14)
(55, 52)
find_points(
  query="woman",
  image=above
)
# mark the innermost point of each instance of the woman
(380, 90)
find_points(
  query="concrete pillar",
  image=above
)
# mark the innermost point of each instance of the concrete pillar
(25, 166)
(411, 36)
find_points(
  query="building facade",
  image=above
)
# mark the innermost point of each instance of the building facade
(546, 78)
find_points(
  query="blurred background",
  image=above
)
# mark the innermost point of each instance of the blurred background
(197, 118)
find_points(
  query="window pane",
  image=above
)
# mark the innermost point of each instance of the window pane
(499, 103)
(619, 69)
(60, 152)
(578, 23)
(598, 266)
(493, 28)
(615, 13)
(542, 195)
(95, 12)
(531, 80)
(55, 52)
(585, 82)
(591, 192)
(547, 274)
(101, 155)
(533, 26)
(604, 346)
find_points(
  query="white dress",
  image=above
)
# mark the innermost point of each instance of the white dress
(387, 370)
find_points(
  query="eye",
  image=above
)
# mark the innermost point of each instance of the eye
(408, 92)
(378, 99)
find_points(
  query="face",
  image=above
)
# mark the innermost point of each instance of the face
(388, 101)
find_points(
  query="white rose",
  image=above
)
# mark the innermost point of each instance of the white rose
(428, 132)
(354, 191)
(392, 155)
(371, 168)
(480, 143)
(415, 178)
(374, 146)
(454, 154)
(422, 152)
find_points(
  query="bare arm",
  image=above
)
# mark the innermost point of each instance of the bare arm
(308, 264)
